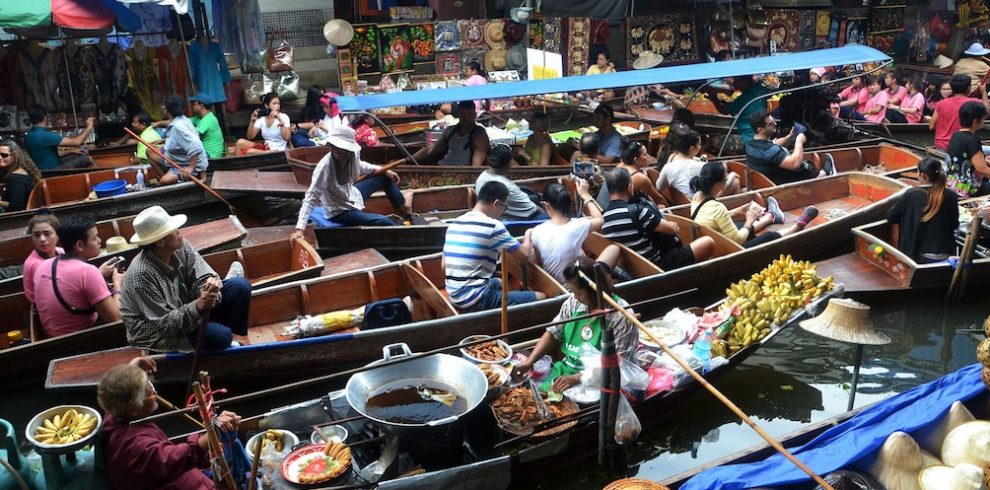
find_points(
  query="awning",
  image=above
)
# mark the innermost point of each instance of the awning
(79, 18)
(846, 55)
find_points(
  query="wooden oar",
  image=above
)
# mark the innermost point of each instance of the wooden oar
(708, 386)
(382, 171)
(200, 340)
(253, 479)
(505, 293)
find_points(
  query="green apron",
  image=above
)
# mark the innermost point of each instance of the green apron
(575, 335)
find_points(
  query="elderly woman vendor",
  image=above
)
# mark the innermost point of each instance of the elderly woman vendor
(140, 455)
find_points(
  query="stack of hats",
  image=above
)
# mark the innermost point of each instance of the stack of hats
(515, 35)
(496, 59)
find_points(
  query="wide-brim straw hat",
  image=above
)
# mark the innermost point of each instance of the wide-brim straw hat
(494, 33)
(338, 32)
(517, 59)
(647, 59)
(117, 244)
(153, 224)
(343, 137)
(846, 320)
(496, 59)
(942, 61)
(514, 32)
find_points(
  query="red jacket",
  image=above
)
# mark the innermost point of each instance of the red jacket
(141, 456)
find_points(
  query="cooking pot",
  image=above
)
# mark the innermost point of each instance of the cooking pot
(462, 376)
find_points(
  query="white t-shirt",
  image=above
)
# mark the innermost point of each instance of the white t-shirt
(678, 173)
(560, 245)
(273, 135)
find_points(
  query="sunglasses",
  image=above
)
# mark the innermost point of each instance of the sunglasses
(5, 155)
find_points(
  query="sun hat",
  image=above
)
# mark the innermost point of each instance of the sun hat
(976, 49)
(117, 244)
(942, 61)
(647, 59)
(153, 224)
(517, 58)
(338, 32)
(494, 34)
(496, 59)
(820, 71)
(343, 137)
(846, 320)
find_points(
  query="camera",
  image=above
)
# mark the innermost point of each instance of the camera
(264, 112)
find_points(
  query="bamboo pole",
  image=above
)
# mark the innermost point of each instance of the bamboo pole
(505, 292)
(211, 435)
(714, 391)
(964, 258)
(200, 340)
(171, 406)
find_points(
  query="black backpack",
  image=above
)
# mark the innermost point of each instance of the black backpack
(386, 313)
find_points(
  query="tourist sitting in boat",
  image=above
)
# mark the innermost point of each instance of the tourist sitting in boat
(208, 126)
(539, 146)
(170, 288)
(816, 75)
(43, 144)
(769, 157)
(635, 160)
(518, 206)
(972, 63)
(609, 140)
(471, 250)
(182, 146)
(558, 242)
(928, 216)
(141, 455)
(912, 107)
(364, 130)
(476, 76)
(937, 89)
(853, 99)
(142, 125)
(640, 226)
(876, 107)
(588, 150)
(274, 126)
(968, 173)
(44, 236)
(336, 186)
(465, 143)
(685, 165)
(576, 336)
(308, 118)
(668, 149)
(19, 176)
(707, 211)
(330, 118)
(893, 83)
(945, 119)
(70, 293)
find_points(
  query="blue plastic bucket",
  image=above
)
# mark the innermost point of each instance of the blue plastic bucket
(110, 188)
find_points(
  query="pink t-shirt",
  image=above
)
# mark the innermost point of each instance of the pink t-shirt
(879, 99)
(947, 122)
(30, 263)
(898, 94)
(862, 95)
(916, 101)
(476, 80)
(82, 286)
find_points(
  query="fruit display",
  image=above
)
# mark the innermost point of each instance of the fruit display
(768, 298)
(65, 428)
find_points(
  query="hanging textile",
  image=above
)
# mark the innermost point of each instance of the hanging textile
(65, 87)
(180, 6)
(155, 19)
(578, 43)
(143, 76)
(40, 67)
(552, 34)
(86, 76)
(12, 79)
(671, 35)
(252, 37)
(173, 75)
(209, 71)
(783, 30)
(113, 75)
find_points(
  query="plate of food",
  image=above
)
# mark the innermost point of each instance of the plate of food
(665, 331)
(316, 463)
(493, 352)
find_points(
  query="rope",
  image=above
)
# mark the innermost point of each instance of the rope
(877, 169)
(834, 213)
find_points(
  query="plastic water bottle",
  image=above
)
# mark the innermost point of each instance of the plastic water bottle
(703, 350)
(140, 179)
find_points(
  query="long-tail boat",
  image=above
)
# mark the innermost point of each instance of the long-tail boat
(119, 157)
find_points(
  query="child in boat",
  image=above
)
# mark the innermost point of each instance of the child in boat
(928, 216)
(19, 176)
(44, 236)
(710, 213)
(274, 126)
(911, 108)
(576, 336)
(876, 107)
(539, 146)
(853, 100)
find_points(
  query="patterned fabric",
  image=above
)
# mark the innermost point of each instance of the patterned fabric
(536, 34)
(155, 19)
(12, 80)
(806, 38)
(159, 304)
(86, 75)
(552, 34)
(578, 42)
(449, 64)
(143, 76)
(396, 48)
(113, 64)
(783, 30)
(672, 35)
(172, 71)
(365, 49)
(448, 36)
(336, 198)
(66, 90)
(423, 43)
(472, 33)
(40, 76)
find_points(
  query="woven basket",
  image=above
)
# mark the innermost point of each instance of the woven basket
(635, 484)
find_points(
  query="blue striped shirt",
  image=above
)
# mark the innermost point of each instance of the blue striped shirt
(470, 254)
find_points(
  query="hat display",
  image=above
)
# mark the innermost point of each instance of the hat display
(117, 244)
(846, 320)
(647, 59)
(976, 49)
(514, 32)
(494, 34)
(153, 224)
(942, 61)
(496, 59)
(517, 59)
(338, 32)
(343, 137)
(968, 443)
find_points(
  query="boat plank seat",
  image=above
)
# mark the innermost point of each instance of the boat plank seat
(270, 263)
(432, 303)
(360, 259)
(691, 231)
(278, 183)
(17, 312)
(630, 261)
(529, 276)
(750, 179)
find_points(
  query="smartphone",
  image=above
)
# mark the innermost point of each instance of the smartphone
(583, 169)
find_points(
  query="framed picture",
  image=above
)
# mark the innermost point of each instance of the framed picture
(423, 43)
(449, 64)
(345, 64)
(365, 50)
(396, 48)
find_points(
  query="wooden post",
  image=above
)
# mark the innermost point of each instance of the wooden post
(200, 340)
(212, 437)
(505, 292)
(611, 387)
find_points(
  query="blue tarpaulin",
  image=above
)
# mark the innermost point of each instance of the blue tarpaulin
(846, 55)
(839, 447)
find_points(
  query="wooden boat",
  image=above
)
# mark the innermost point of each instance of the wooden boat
(866, 271)
(976, 404)
(119, 157)
(204, 237)
(273, 263)
(266, 353)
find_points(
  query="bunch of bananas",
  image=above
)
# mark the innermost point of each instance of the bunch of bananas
(65, 428)
(768, 298)
(274, 437)
(983, 354)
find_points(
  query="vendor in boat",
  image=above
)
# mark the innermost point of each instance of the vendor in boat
(640, 226)
(476, 76)
(684, 165)
(43, 144)
(273, 125)
(465, 143)
(539, 146)
(335, 186)
(70, 293)
(967, 171)
(707, 211)
(43, 229)
(170, 288)
(471, 249)
(19, 176)
(576, 336)
(141, 455)
(182, 146)
(518, 206)
(609, 140)
(207, 126)
(945, 118)
(928, 216)
(769, 157)
(603, 64)
(751, 90)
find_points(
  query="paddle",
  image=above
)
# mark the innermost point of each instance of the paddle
(708, 386)
(381, 171)
(200, 340)
(961, 275)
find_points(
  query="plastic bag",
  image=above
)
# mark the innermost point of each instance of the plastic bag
(633, 377)
(279, 53)
(256, 85)
(627, 426)
(591, 360)
(287, 86)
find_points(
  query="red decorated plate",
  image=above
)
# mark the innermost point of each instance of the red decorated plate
(308, 465)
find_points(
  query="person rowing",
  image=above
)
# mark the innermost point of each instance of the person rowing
(465, 143)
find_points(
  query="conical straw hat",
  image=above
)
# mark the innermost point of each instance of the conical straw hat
(846, 320)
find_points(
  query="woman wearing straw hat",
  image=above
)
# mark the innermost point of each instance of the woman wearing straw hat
(171, 287)
(335, 185)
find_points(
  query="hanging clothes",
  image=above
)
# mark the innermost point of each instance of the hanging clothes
(113, 73)
(143, 76)
(225, 27)
(240, 31)
(86, 76)
(173, 75)
(66, 91)
(155, 19)
(209, 71)
(41, 77)
(12, 81)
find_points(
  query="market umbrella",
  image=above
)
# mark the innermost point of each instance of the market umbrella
(77, 18)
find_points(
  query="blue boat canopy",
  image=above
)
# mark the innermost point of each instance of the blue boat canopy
(847, 55)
